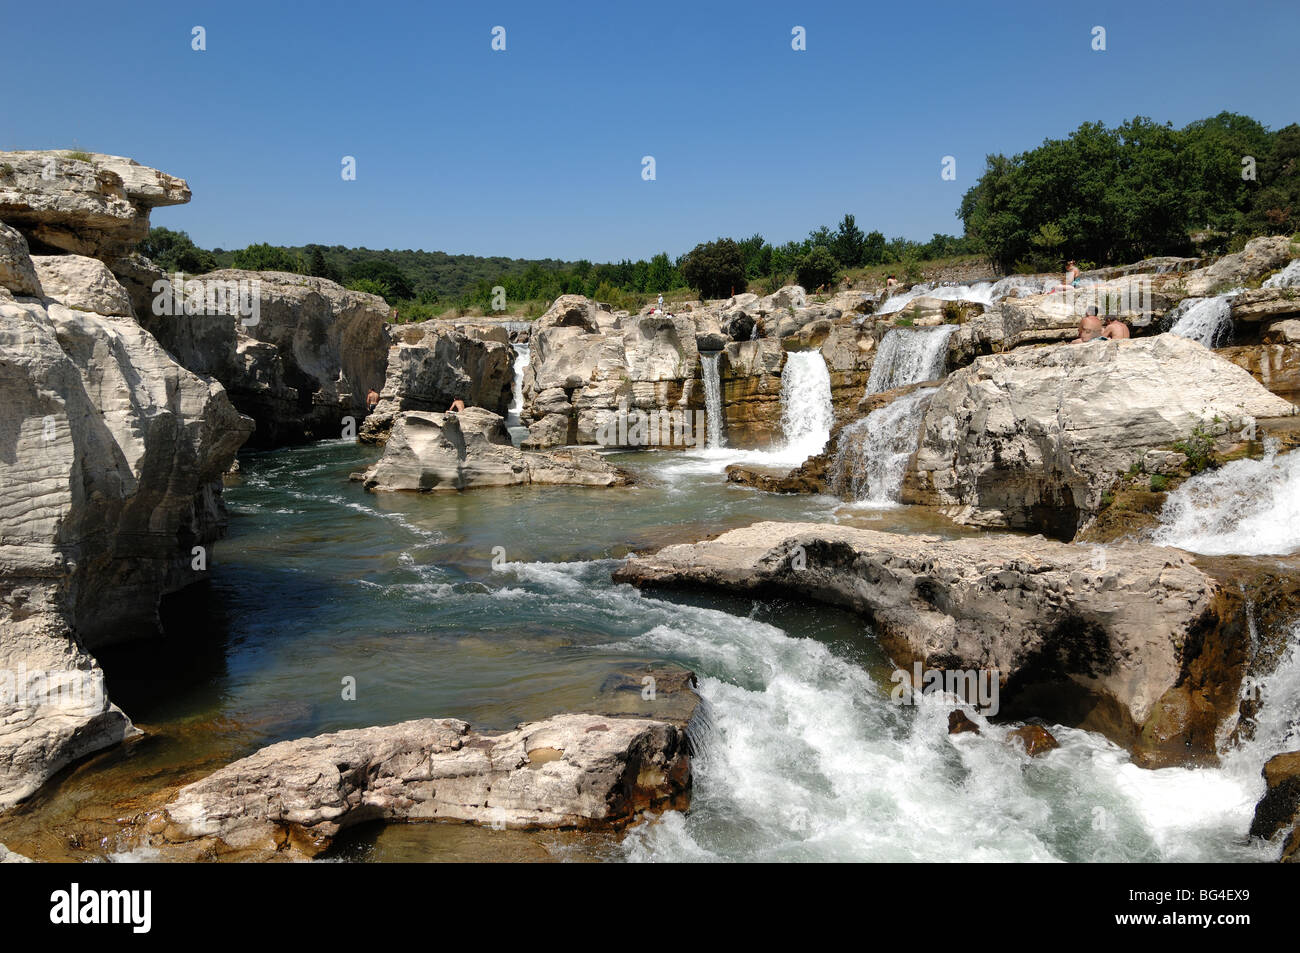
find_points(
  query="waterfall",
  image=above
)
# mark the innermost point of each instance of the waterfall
(1207, 320)
(910, 357)
(713, 400)
(806, 411)
(513, 421)
(872, 453)
(1251, 507)
(1288, 277)
(981, 292)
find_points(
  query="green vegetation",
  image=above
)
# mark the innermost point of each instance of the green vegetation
(1137, 190)
(1158, 483)
(174, 251)
(76, 155)
(1198, 449)
(716, 269)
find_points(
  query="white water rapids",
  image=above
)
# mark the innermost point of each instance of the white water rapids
(871, 454)
(1205, 320)
(1250, 507)
(910, 356)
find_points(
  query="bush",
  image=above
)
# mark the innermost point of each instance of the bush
(715, 269)
(1198, 449)
(817, 268)
(264, 257)
(1159, 483)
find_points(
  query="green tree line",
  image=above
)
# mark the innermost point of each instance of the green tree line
(1140, 189)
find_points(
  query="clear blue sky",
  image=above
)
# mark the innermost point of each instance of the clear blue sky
(536, 152)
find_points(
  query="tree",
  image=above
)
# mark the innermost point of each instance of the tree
(397, 286)
(849, 244)
(873, 248)
(716, 269)
(174, 251)
(817, 268)
(264, 257)
(318, 267)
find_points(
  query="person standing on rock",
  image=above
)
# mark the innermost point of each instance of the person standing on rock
(661, 304)
(457, 406)
(372, 401)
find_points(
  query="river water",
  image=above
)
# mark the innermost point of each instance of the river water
(804, 755)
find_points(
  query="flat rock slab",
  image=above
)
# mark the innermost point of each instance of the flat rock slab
(1131, 640)
(572, 771)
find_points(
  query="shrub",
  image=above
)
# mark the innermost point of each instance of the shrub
(76, 155)
(816, 268)
(1159, 483)
(715, 269)
(1198, 449)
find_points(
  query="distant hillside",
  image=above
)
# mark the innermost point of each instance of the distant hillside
(434, 273)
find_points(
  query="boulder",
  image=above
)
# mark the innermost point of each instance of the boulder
(1265, 304)
(1143, 646)
(1279, 808)
(81, 283)
(471, 449)
(960, 724)
(17, 273)
(1035, 438)
(95, 205)
(1035, 739)
(1258, 258)
(573, 771)
(432, 364)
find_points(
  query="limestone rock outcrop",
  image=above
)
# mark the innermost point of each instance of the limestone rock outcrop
(1258, 258)
(570, 771)
(81, 283)
(1141, 645)
(433, 363)
(110, 483)
(1034, 438)
(85, 204)
(587, 365)
(307, 362)
(471, 449)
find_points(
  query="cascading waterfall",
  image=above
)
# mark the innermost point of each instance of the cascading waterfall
(806, 410)
(1248, 507)
(713, 400)
(872, 453)
(1288, 277)
(909, 357)
(513, 420)
(1207, 320)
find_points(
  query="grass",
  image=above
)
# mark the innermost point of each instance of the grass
(77, 155)
(1158, 483)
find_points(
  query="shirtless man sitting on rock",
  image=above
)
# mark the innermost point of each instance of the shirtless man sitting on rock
(1090, 328)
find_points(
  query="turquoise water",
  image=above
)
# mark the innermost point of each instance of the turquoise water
(805, 757)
